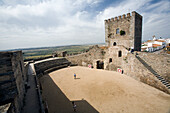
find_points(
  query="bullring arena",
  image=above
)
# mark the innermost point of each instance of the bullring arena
(100, 91)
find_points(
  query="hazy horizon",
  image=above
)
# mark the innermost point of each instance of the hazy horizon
(36, 47)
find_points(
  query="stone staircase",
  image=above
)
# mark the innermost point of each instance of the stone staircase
(154, 72)
(8, 88)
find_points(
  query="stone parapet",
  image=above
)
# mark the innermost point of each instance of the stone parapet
(50, 64)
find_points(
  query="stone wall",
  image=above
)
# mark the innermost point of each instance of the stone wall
(8, 89)
(159, 62)
(134, 68)
(50, 64)
(128, 62)
(84, 59)
(26, 66)
(12, 81)
(117, 60)
(137, 31)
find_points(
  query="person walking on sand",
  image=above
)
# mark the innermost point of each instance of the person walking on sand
(74, 106)
(74, 76)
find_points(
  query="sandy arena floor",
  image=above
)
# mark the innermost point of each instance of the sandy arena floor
(100, 91)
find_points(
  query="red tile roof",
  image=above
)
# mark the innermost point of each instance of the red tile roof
(103, 47)
(148, 40)
(155, 45)
(160, 40)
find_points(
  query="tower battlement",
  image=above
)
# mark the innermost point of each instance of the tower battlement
(124, 16)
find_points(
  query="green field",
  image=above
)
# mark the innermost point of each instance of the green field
(35, 53)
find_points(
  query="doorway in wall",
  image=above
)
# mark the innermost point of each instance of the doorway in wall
(110, 60)
(120, 54)
(100, 65)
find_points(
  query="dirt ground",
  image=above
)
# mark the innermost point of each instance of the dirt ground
(100, 91)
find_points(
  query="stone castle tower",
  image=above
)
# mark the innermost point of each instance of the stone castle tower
(125, 30)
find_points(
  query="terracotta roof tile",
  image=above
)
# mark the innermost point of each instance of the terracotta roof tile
(103, 47)
(148, 40)
(155, 45)
(160, 40)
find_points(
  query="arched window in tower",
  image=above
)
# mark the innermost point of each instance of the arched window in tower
(117, 31)
(114, 44)
(119, 53)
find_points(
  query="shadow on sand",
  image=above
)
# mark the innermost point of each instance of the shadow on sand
(77, 78)
(58, 102)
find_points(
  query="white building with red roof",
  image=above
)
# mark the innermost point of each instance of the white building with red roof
(153, 45)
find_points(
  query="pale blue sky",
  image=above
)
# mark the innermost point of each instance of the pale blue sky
(40, 23)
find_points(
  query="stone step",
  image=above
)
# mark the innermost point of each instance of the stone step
(5, 54)
(6, 63)
(5, 59)
(160, 79)
(166, 82)
(163, 80)
(4, 78)
(7, 96)
(8, 86)
(5, 69)
(158, 76)
(155, 73)
(7, 81)
(167, 85)
(7, 73)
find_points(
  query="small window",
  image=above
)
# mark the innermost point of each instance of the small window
(114, 44)
(120, 54)
(110, 60)
(117, 31)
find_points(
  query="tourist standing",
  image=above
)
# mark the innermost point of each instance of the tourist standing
(74, 106)
(74, 76)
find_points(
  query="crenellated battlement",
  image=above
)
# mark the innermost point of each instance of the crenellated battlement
(124, 16)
